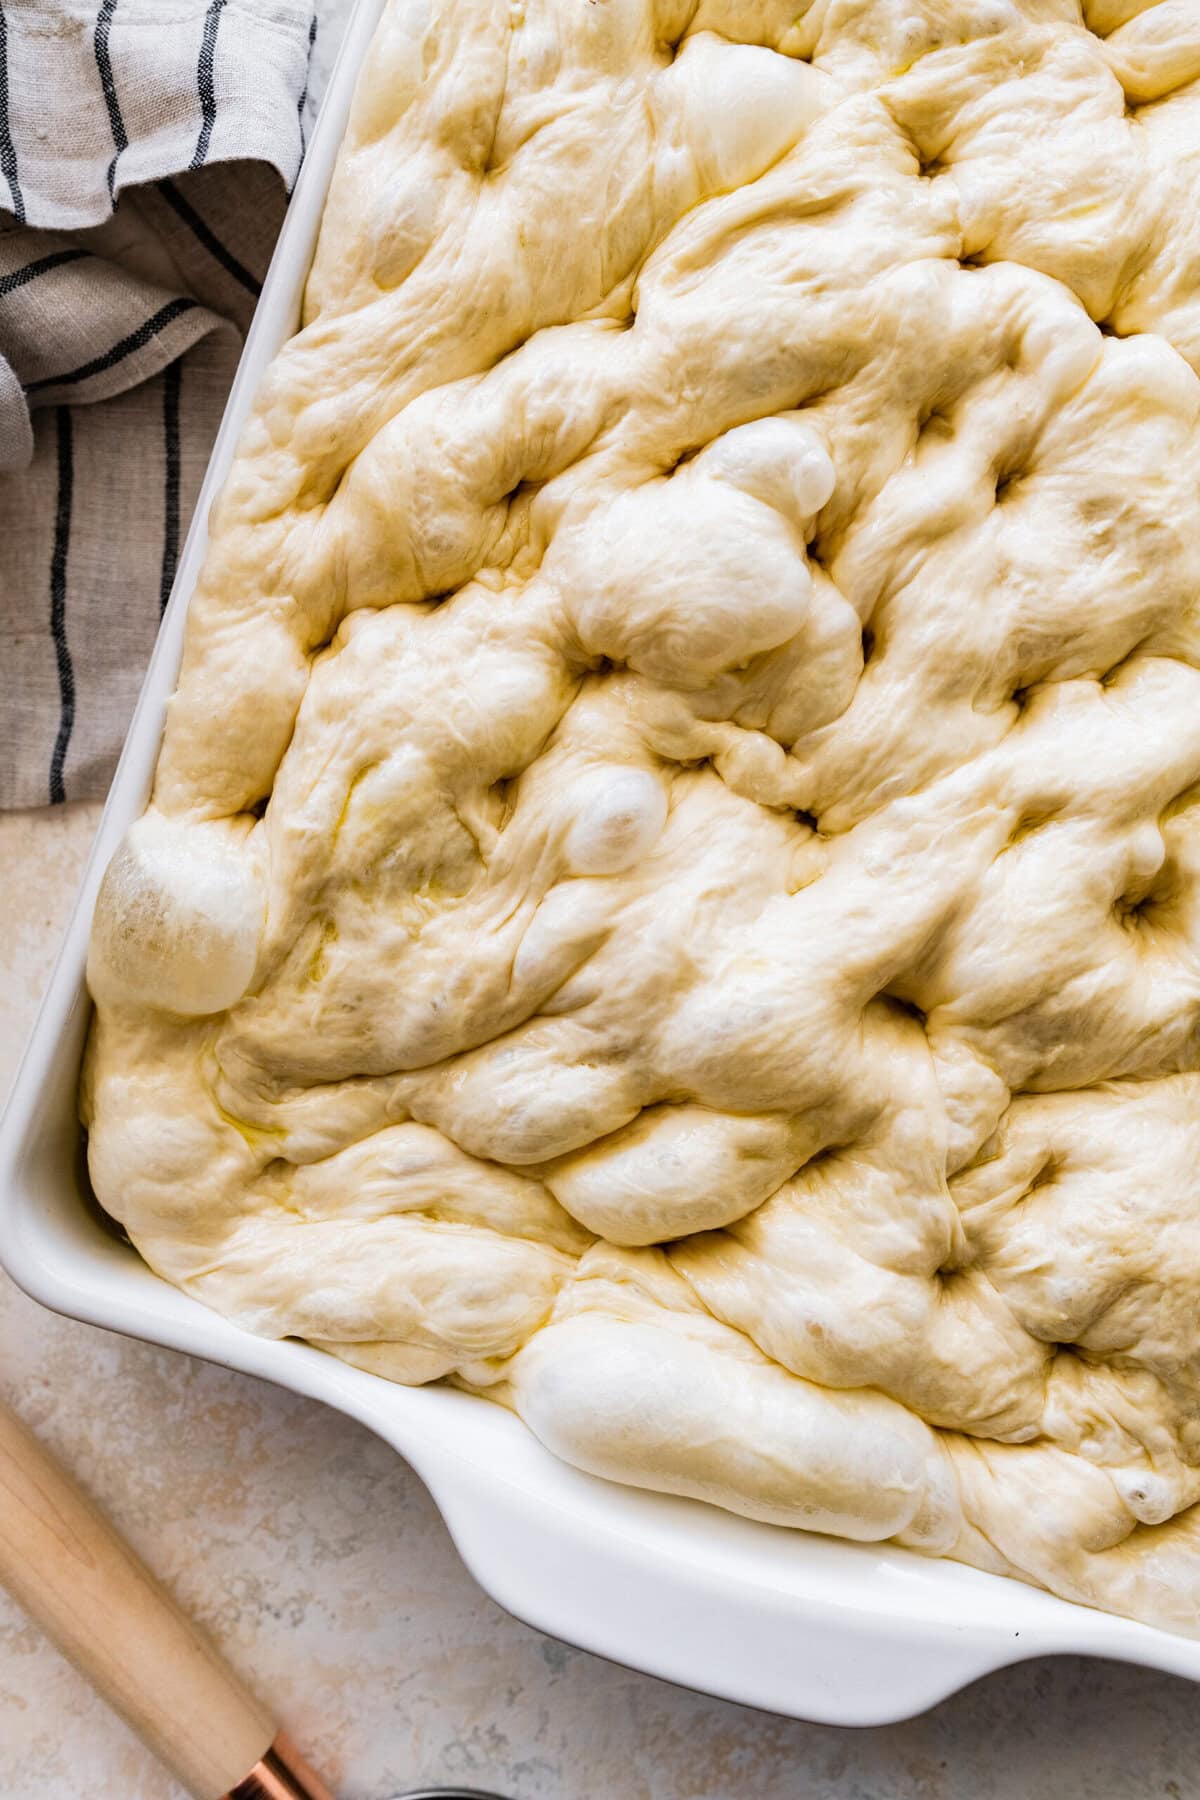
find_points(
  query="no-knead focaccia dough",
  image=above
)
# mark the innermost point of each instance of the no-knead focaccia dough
(672, 892)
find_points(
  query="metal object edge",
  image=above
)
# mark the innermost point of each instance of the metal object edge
(281, 1773)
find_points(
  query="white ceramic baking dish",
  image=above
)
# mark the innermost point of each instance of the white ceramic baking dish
(844, 1633)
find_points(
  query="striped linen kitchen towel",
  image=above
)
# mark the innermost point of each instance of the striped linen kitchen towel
(146, 152)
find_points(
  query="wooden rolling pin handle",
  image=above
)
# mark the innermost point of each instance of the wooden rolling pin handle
(71, 1572)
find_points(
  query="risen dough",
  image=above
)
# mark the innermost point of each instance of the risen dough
(672, 893)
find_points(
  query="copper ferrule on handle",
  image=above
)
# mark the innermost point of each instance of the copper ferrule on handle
(280, 1774)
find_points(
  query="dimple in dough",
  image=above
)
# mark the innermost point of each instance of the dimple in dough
(672, 890)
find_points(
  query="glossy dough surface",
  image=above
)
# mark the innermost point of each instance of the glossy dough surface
(672, 893)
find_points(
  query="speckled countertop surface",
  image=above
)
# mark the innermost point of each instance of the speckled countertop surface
(320, 1565)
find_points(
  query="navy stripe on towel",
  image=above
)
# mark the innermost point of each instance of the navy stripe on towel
(204, 80)
(172, 382)
(137, 340)
(58, 605)
(8, 150)
(18, 278)
(104, 64)
(205, 235)
(312, 38)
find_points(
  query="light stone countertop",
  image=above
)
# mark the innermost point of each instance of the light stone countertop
(321, 1567)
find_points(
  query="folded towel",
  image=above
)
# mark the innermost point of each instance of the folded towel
(146, 152)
